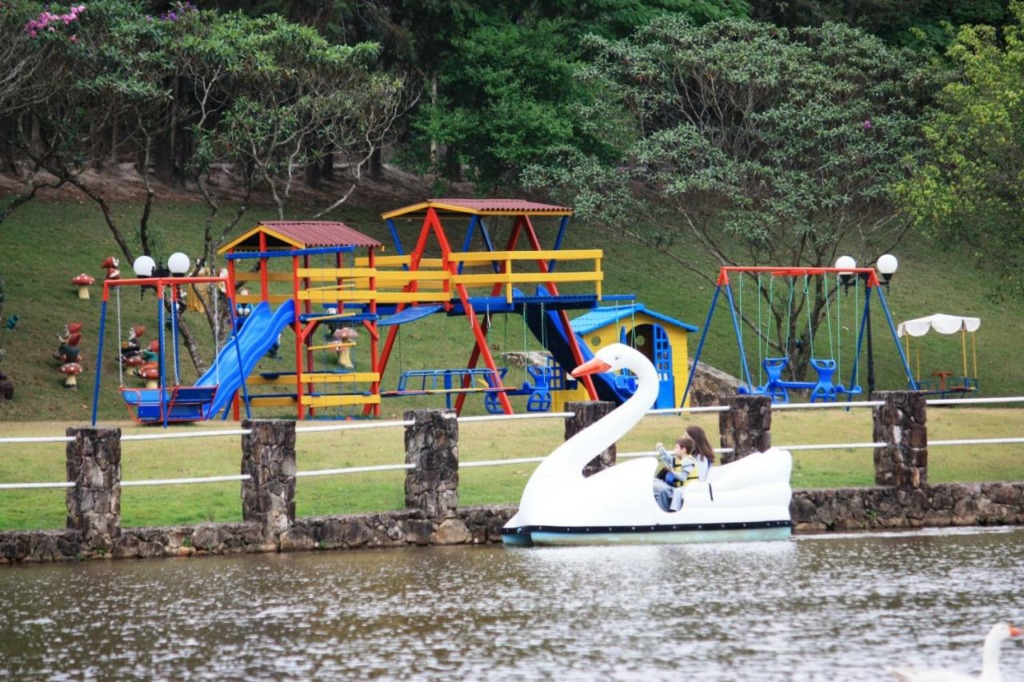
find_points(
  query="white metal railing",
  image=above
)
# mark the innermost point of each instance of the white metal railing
(499, 462)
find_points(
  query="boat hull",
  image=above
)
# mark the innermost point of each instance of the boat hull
(562, 536)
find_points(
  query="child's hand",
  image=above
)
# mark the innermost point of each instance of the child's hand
(659, 446)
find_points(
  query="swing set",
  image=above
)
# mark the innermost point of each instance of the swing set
(770, 371)
(170, 401)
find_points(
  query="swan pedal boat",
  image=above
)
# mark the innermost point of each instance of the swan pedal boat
(745, 500)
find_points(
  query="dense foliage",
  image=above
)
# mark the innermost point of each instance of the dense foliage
(970, 193)
(746, 144)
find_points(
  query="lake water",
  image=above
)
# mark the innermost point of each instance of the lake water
(829, 607)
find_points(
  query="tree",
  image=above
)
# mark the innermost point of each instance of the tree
(273, 98)
(504, 89)
(745, 144)
(261, 98)
(511, 97)
(921, 24)
(970, 190)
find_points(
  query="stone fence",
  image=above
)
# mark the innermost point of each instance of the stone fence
(901, 498)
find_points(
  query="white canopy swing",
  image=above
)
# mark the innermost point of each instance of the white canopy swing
(945, 324)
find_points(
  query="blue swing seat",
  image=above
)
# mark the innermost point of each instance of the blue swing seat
(778, 390)
(538, 390)
(175, 404)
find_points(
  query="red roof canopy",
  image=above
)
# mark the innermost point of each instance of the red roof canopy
(300, 234)
(481, 207)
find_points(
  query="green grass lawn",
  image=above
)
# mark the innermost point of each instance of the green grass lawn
(44, 244)
(479, 441)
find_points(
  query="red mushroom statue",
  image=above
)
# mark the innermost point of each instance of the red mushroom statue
(83, 281)
(150, 371)
(134, 361)
(70, 370)
(343, 339)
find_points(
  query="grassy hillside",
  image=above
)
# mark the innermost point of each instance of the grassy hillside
(44, 244)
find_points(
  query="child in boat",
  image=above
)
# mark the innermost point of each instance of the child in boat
(680, 469)
(702, 450)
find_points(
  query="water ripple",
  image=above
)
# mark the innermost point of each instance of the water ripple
(844, 608)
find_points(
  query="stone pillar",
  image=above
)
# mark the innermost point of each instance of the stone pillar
(585, 414)
(746, 427)
(268, 457)
(432, 448)
(94, 503)
(900, 424)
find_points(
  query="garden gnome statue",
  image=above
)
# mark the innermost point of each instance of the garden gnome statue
(69, 340)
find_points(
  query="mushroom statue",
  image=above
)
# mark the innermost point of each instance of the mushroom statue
(343, 341)
(83, 281)
(151, 373)
(133, 361)
(70, 370)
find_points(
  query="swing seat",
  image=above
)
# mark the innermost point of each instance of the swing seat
(539, 392)
(626, 382)
(176, 404)
(775, 388)
(825, 390)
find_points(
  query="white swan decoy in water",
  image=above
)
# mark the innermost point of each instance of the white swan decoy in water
(743, 500)
(989, 661)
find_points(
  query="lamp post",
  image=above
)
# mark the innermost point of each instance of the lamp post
(144, 266)
(886, 266)
(178, 264)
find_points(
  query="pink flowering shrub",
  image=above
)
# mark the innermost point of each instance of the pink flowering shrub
(48, 21)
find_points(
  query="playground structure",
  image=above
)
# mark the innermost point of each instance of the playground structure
(293, 280)
(282, 269)
(826, 387)
(425, 276)
(944, 382)
(480, 284)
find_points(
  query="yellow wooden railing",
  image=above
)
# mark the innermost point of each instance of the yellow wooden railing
(508, 259)
(434, 280)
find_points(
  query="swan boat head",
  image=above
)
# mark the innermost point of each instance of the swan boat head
(559, 499)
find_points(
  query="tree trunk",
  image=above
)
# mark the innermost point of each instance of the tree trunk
(163, 158)
(7, 162)
(327, 167)
(313, 174)
(376, 164)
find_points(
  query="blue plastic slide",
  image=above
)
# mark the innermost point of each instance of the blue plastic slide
(550, 331)
(253, 341)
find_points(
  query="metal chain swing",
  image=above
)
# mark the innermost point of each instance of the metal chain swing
(120, 357)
